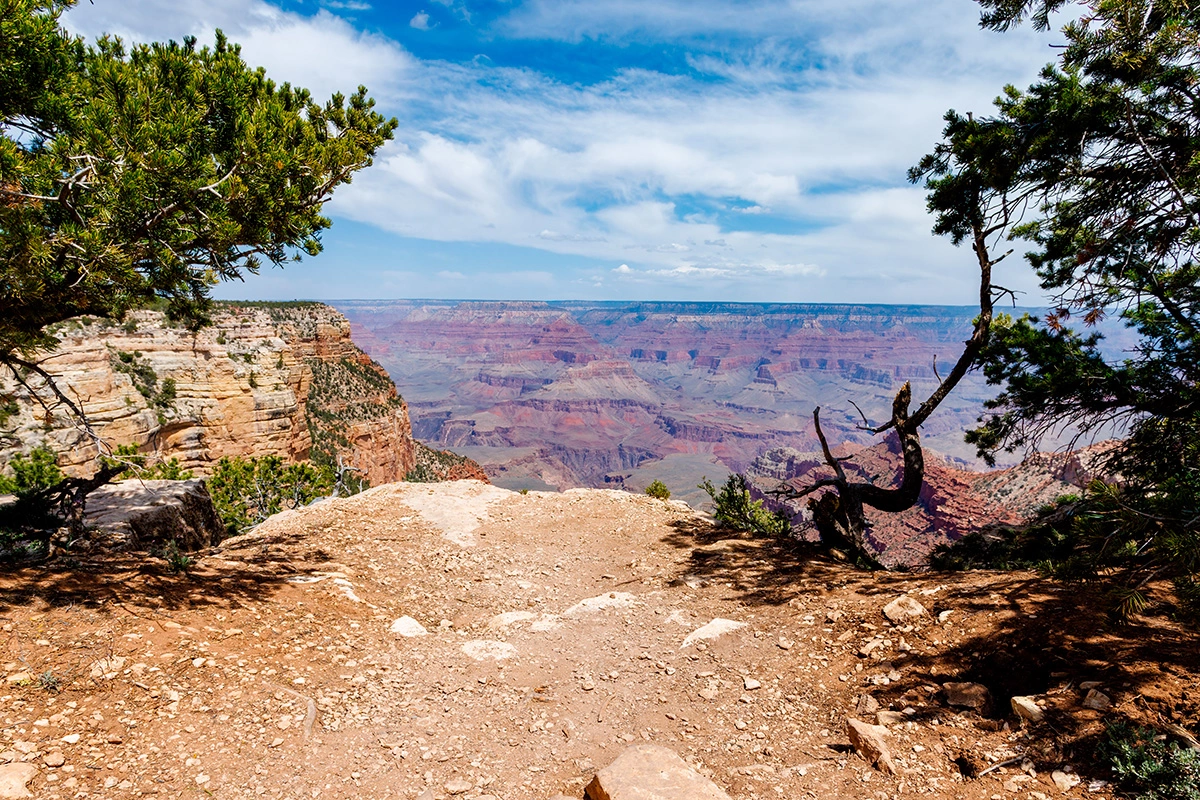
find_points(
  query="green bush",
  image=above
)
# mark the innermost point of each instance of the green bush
(1145, 767)
(658, 490)
(733, 506)
(177, 560)
(422, 473)
(1120, 537)
(245, 491)
(31, 474)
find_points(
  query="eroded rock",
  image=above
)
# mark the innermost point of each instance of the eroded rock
(651, 772)
(15, 778)
(974, 696)
(144, 515)
(903, 609)
(870, 742)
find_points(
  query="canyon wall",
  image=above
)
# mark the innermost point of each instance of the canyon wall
(280, 379)
(555, 395)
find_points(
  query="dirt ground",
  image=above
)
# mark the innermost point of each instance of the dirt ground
(558, 629)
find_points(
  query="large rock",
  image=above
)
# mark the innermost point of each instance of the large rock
(870, 742)
(651, 772)
(280, 380)
(144, 515)
(1027, 708)
(903, 609)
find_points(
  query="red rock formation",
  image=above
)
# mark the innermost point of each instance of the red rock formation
(586, 384)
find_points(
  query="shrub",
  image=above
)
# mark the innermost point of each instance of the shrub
(31, 474)
(733, 506)
(421, 473)
(245, 491)
(128, 456)
(1145, 767)
(177, 560)
(658, 490)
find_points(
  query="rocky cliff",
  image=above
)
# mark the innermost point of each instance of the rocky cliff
(263, 379)
(618, 394)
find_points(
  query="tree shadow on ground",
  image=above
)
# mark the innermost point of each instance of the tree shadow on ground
(768, 570)
(1016, 633)
(244, 570)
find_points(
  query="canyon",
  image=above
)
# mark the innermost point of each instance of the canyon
(280, 379)
(606, 394)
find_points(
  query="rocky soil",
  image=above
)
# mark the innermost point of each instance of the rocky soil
(460, 640)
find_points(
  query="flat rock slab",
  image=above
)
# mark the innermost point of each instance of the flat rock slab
(651, 772)
(14, 779)
(717, 628)
(143, 515)
(456, 508)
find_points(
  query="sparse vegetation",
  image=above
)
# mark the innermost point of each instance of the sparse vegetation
(733, 506)
(177, 560)
(1146, 767)
(145, 380)
(31, 474)
(658, 490)
(133, 460)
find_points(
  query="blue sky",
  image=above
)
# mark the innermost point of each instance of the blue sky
(749, 150)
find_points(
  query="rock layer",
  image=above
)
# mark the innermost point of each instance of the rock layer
(263, 379)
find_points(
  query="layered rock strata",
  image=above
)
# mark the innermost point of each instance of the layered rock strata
(263, 379)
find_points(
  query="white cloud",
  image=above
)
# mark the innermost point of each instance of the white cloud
(323, 52)
(420, 21)
(779, 159)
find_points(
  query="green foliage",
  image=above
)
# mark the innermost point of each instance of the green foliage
(658, 490)
(49, 682)
(128, 456)
(145, 380)
(155, 171)
(177, 560)
(1100, 177)
(8, 410)
(422, 473)
(733, 506)
(245, 491)
(1112, 534)
(1145, 768)
(30, 474)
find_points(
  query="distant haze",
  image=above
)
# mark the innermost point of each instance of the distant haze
(584, 393)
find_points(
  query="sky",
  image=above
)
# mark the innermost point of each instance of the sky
(744, 150)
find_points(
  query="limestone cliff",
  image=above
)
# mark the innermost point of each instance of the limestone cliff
(264, 379)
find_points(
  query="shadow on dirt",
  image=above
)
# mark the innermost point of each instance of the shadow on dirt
(1015, 633)
(246, 569)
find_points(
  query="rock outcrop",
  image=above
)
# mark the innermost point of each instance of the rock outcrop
(279, 379)
(144, 515)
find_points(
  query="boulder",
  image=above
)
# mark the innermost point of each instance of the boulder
(871, 743)
(144, 515)
(903, 609)
(974, 696)
(651, 772)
